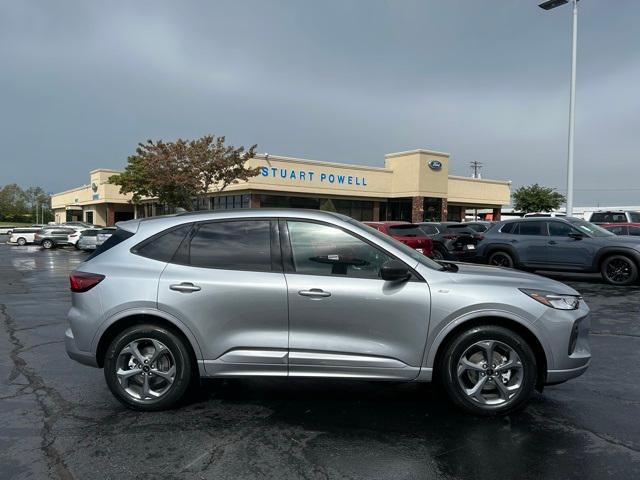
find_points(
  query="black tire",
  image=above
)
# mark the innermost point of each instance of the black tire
(501, 258)
(465, 342)
(48, 244)
(437, 254)
(619, 270)
(180, 355)
(22, 241)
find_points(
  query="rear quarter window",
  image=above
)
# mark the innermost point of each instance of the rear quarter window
(163, 246)
(120, 235)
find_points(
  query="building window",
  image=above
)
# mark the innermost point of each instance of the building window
(228, 202)
(432, 209)
(356, 209)
(399, 209)
(89, 218)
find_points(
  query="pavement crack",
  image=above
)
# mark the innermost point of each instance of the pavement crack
(50, 402)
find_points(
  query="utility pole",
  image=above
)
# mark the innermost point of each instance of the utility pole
(476, 167)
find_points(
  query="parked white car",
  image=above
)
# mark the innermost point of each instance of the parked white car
(23, 236)
(6, 230)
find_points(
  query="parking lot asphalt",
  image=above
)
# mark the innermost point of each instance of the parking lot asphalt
(58, 419)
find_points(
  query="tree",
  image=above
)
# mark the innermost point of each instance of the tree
(536, 198)
(13, 203)
(177, 172)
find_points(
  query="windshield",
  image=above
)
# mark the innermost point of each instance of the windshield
(590, 228)
(418, 257)
(634, 217)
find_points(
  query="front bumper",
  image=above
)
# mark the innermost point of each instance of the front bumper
(559, 376)
(86, 358)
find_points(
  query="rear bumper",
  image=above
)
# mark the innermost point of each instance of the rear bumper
(86, 358)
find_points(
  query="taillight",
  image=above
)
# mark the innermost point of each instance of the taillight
(83, 281)
(478, 236)
(74, 235)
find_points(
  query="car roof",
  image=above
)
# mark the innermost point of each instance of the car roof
(620, 224)
(165, 221)
(539, 219)
(389, 223)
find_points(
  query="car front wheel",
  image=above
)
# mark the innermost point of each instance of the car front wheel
(47, 244)
(489, 370)
(148, 367)
(22, 242)
(619, 270)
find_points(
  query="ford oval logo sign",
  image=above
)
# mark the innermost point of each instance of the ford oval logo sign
(435, 165)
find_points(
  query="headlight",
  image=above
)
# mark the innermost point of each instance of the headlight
(554, 300)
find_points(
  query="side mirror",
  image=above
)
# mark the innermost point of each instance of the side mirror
(576, 235)
(394, 271)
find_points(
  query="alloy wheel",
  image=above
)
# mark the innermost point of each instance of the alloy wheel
(619, 270)
(145, 369)
(490, 372)
(500, 259)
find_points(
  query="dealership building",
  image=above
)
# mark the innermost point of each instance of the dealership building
(412, 186)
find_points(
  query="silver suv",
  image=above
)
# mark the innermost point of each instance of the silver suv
(303, 293)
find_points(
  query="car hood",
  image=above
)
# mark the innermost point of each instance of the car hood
(499, 276)
(618, 240)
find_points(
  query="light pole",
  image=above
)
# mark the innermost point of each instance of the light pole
(549, 5)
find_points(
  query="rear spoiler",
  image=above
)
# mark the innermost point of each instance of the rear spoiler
(129, 225)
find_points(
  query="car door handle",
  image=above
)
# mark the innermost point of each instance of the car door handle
(186, 287)
(552, 242)
(514, 241)
(314, 293)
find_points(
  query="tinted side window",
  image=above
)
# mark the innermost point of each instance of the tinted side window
(232, 245)
(635, 231)
(406, 231)
(559, 229)
(532, 228)
(597, 217)
(509, 228)
(325, 250)
(162, 247)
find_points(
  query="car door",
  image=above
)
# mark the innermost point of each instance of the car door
(531, 242)
(226, 284)
(568, 251)
(344, 320)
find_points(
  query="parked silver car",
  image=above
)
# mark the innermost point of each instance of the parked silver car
(88, 239)
(313, 294)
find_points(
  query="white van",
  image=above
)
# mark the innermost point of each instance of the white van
(23, 236)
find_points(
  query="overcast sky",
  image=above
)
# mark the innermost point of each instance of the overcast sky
(81, 82)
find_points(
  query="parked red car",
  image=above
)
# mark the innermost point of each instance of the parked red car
(408, 233)
(623, 228)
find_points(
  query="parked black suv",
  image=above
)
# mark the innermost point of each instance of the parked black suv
(562, 244)
(452, 241)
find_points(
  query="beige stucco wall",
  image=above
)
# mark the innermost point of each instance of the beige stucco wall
(405, 174)
(463, 190)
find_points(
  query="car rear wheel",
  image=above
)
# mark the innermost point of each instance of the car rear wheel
(22, 241)
(47, 244)
(619, 270)
(437, 254)
(501, 259)
(489, 370)
(148, 368)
